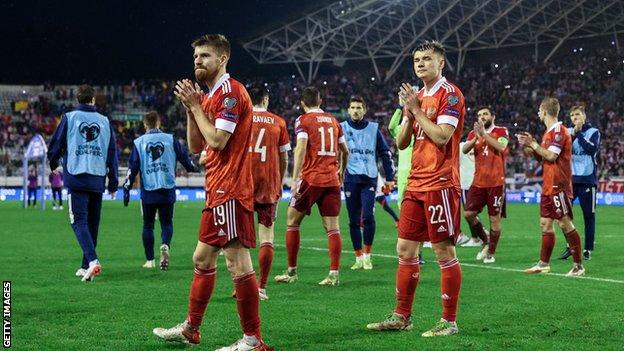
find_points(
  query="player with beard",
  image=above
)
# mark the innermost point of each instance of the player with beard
(488, 187)
(221, 122)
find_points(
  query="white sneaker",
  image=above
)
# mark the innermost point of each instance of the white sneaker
(481, 255)
(427, 244)
(462, 239)
(245, 344)
(539, 267)
(489, 259)
(473, 242)
(263, 294)
(576, 271)
(164, 257)
(180, 333)
(60, 207)
(81, 272)
(149, 264)
(93, 271)
(54, 208)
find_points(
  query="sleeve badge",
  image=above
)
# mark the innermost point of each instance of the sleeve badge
(452, 100)
(229, 103)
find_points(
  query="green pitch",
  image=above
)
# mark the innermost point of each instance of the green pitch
(500, 308)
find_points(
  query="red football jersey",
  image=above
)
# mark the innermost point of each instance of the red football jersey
(228, 171)
(269, 138)
(558, 175)
(436, 168)
(323, 132)
(489, 163)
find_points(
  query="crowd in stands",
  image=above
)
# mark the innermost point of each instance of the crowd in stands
(512, 89)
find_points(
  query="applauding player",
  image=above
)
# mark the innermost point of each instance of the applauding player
(430, 211)
(555, 205)
(488, 187)
(222, 121)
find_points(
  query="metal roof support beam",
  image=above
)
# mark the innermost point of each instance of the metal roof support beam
(577, 27)
(406, 48)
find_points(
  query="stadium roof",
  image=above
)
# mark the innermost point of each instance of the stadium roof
(389, 29)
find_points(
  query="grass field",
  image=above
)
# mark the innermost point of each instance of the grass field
(500, 307)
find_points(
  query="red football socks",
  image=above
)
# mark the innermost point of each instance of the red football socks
(358, 253)
(494, 236)
(265, 260)
(477, 229)
(574, 242)
(247, 301)
(201, 290)
(407, 276)
(548, 243)
(450, 285)
(292, 245)
(334, 243)
(368, 249)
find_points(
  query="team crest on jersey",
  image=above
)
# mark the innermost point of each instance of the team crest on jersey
(452, 100)
(229, 103)
(89, 131)
(558, 137)
(155, 150)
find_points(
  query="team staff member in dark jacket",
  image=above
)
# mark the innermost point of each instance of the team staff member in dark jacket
(585, 146)
(154, 156)
(86, 142)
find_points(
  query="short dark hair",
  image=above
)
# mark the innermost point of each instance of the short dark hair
(257, 92)
(434, 45)
(85, 94)
(551, 106)
(311, 96)
(151, 119)
(357, 98)
(484, 107)
(218, 41)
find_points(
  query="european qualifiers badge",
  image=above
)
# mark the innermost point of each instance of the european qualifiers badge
(6, 314)
(155, 150)
(89, 131)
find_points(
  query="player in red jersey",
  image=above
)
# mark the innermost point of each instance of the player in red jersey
(488, 187)
(321, 157)
(555, 204)
(269, 148)
(221, 122)
(430, 210)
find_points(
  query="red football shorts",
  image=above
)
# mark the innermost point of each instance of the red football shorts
(430, 215)
(492, 197)
(327, 199)
(555, 206)
(229, 221)
(267, 213)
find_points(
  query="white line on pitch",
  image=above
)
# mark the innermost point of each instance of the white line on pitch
(607, 280)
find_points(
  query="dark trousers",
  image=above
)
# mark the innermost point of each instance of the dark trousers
(361, 206)
(84, 215)
(586, 194)
(165, 217)
(32, 194)
(57, 196)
